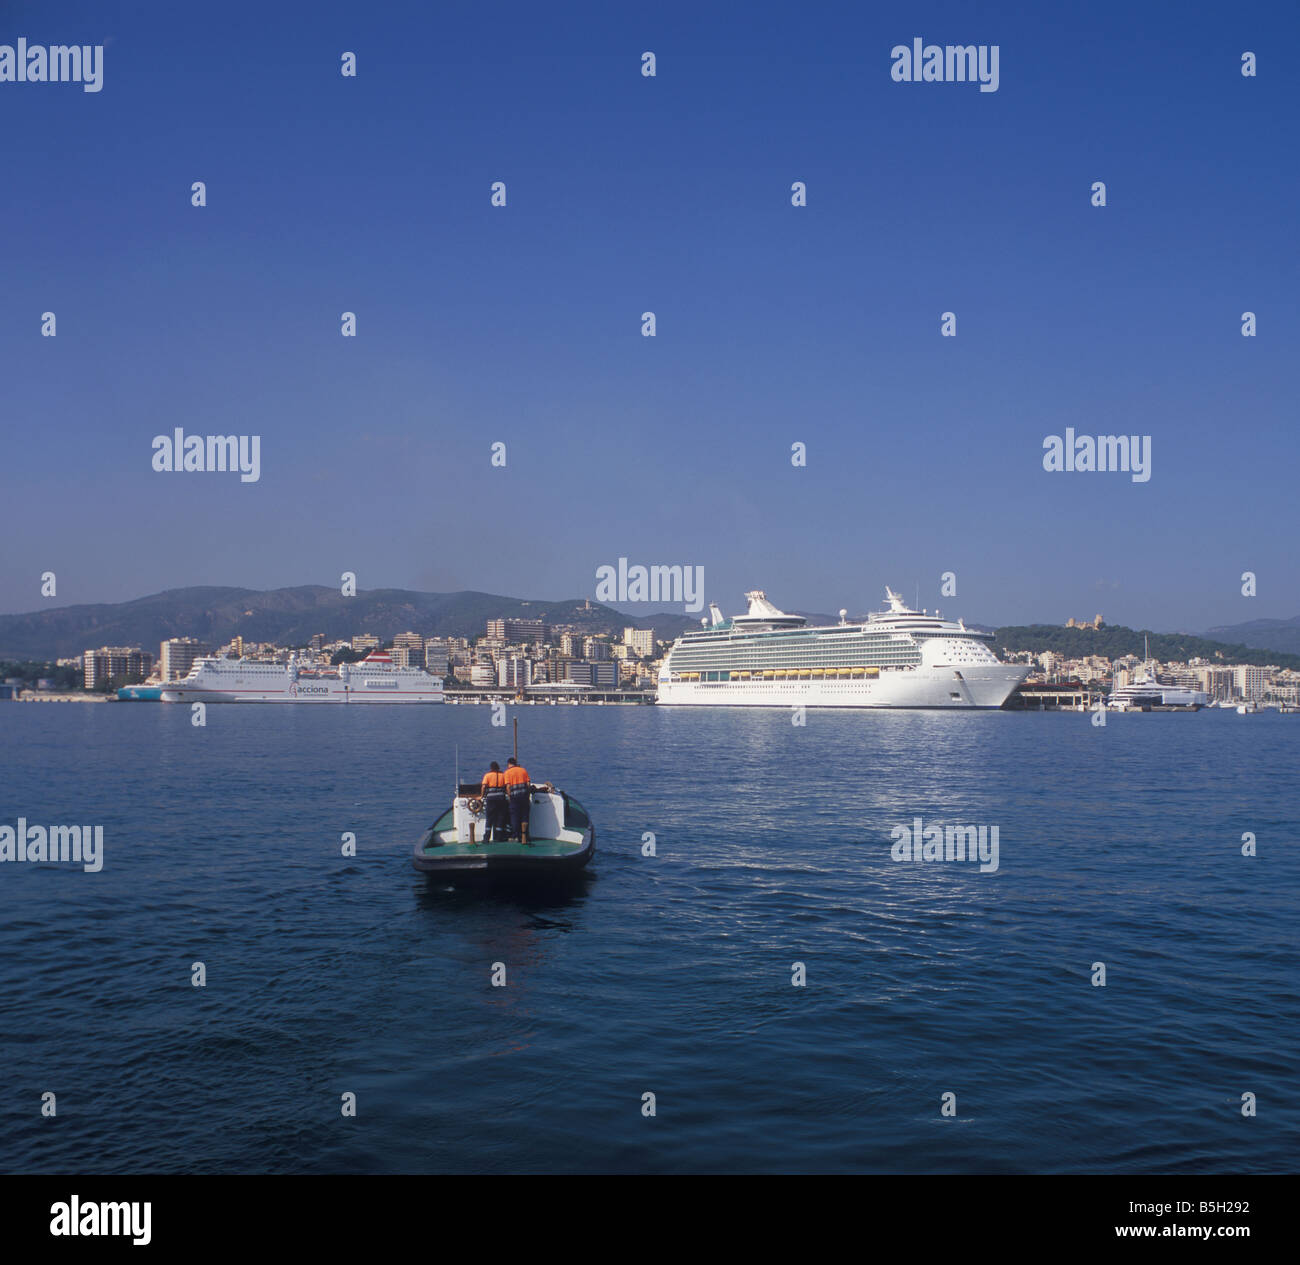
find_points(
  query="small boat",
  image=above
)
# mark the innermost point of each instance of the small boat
(561, 839)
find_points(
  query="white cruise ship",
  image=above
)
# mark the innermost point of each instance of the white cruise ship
(374, 679)
(894, 658)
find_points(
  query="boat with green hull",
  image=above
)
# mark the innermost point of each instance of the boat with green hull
(561, 839)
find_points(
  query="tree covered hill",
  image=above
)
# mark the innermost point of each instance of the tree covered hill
(1116, 641)
(1282, 635)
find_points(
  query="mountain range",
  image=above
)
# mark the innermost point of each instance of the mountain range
(292, 616)
(1268, 634)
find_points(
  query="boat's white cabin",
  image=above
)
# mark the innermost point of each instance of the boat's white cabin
(545, 819)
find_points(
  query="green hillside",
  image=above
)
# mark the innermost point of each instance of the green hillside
(1115, 641)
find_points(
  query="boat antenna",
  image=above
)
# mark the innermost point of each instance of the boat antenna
(516, 739)
(457, 789)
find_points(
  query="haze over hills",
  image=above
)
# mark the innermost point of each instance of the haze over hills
(1268, 634)
(291, 616)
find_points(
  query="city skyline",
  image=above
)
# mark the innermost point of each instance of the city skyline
(527, 655)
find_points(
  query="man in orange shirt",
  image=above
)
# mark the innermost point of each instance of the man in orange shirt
(496, 812)
(520, 790)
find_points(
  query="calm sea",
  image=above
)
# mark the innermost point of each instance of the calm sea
(668, 975)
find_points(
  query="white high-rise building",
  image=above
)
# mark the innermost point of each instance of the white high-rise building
(1219, 684)
(640, 640)
(128, 662)
(176, 656)
(515, 672)
(1252, 682)
(413, 644)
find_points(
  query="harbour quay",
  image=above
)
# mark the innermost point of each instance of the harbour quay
(544, 694)
(1053, 696)
(52, 696)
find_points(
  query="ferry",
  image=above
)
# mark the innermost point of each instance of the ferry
(149, 692)
(897, 657)
(375, 679)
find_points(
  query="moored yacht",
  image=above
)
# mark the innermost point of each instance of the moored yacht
(1147, 694)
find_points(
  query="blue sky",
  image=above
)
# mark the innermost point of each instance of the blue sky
(626, 194)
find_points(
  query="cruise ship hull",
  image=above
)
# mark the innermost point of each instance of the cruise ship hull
(982, 687)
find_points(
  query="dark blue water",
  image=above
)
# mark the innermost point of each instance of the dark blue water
(669, 975)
